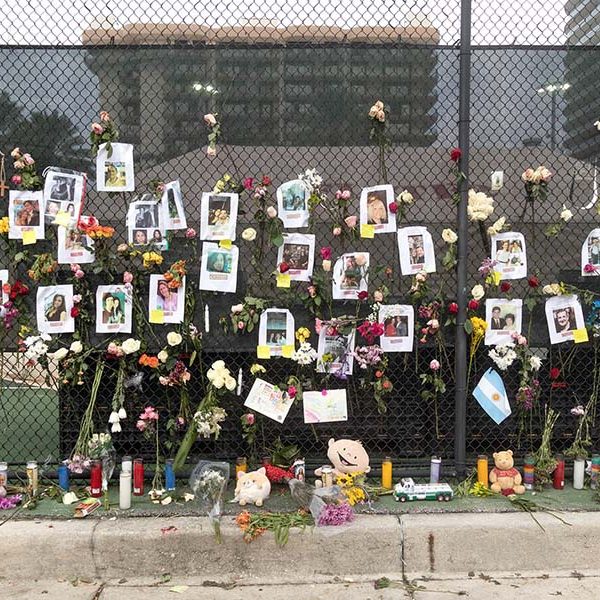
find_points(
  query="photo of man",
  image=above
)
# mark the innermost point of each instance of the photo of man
(296, 256)
(115, 174)
(416, 249)
(62, 189)
(594, 251)
(497, 321)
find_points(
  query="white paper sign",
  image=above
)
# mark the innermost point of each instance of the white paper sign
(298, 251)
(564, 316)
(218, 216)
(375, 208)
(590, 255)
(74, 246)
(267, 399)
(113, 309)
(504, 317)
(350, 275)
(398, 327)
(292, 204)
(172, 204)
(219, 268)
(64, 192)
(327, 406)
(170, 302)
(338, 347)
(115, 174)
(25, 210)
(53, 309)
(416, 250)
(509, 252)
(276, 329)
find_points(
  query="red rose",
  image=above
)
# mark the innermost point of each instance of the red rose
(554, 373)
(455, 154)
(473, 304)
(453, 308)
(363, 295)
(505, 286)
(74, 312)
(393, 208)
(284, 267)
(266, 180)
(326, 253)
(533, 281)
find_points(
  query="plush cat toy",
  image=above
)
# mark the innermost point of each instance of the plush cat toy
(253, 487)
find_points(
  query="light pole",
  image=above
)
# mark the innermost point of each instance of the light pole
(553, 89)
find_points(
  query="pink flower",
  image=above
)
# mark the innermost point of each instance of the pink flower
(312, 291)
(210, 120)
(351, 221)
(97, 128)
(190, 233)
(249, 418)
(27, 159)
(337, 231)
(127, 277)
(75, 267)
(521, 340)
(76, 298)
(323, 392)
(325, 252)
(433, 324)
(241, 325)
(318, 325)
(346, 195)
(104, 116)
(589, 268)
(16, 179)
(141, 425)
(19, 164)
(79, 274)
(112, 348)
(248, 183)
(434, 365)
(211, 151)
(378, 296)
(578, 411)
(292, 391)
(393, 208)
(271, 212)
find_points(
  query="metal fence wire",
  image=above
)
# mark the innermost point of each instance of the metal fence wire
(293, 85)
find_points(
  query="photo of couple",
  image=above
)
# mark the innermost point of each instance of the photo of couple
(396, 326)
(503, 320)
(416, 249)
(276, 329)
(113, 308)
(509, 253)
(26, 213)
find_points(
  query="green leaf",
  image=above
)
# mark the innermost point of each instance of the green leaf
(277, 240)
(193, 357)
(530, 303)
(468, 327)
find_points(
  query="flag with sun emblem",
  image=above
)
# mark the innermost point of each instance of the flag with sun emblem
(491, 395)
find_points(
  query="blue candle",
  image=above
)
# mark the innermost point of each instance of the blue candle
(63, 477)
(169, 475)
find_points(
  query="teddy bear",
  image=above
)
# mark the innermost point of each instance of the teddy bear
(347, 456)
(504, 477)
(253, 487)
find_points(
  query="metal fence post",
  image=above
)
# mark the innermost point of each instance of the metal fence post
(461, 347)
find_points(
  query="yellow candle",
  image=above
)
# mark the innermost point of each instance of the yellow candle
(386, 473)
(241, 465)
(482, 470)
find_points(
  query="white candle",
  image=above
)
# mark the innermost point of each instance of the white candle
(239, 382)
(127, 464)
(125, 490)
(578, 473)
(206, 319)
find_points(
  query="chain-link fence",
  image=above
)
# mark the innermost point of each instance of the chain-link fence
(293, 86)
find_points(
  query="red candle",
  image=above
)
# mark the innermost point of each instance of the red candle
(96, 479)
(138, 477)
(558, 479)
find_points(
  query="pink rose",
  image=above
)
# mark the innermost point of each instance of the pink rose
(521, 340)
(97, 128)
(19, 164)
(337, 231)
(421, 277)
(433, 324)
(351, 221)
(190, 233)
(76, 298)
(211, 151)
(249, 419)
(75, 267)
(104, 116)
(393, 208)
(325, 252)
(292, 391)
(27, 159)
(434, 365)
(360, 259)
(378, 296)
(527, 175)
(112, 348)
(127, 277)
(248, 183)
(380, 116)
(318, 325)
(241, 325)
(210, 120)
(79, 274)
(346, 195)
(271, 212)
(141, 425)
(16, 179)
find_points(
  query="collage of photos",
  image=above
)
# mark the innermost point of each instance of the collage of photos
(219, 268)
(169, 301)
(63, 194)
(115, 172)
(25, 214)
(374, 208)
(564, 316)
(276, 329)
(508, 250)
(53, 309)
(504, 317)
(172, 203)
(74, 246)
(292, 204)
(416, 250)
(218, 216)
(113, 309)
(144, 223)
(298, 252)
(590, 255)
(335, 353)
(351, 275)
(398, 327)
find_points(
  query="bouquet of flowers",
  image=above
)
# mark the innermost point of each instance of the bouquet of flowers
(104, 132)
(26, 176)
(208, 482)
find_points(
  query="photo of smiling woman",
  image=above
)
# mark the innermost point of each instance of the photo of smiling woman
(53, 309)
(374, 208)
(56, 310)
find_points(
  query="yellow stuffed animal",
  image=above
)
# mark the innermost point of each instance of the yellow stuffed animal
(504, 477)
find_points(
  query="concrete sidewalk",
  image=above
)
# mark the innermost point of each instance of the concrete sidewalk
(399, 546)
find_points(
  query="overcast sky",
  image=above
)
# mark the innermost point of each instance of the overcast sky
(494, 21)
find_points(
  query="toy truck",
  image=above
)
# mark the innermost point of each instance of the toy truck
(407, 489)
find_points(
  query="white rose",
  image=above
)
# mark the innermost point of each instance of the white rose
(211, 374)
(566, 215)
(130, 345)
(237, 308)
(76, 347)
(535, 362)
(249, 234)
(449, 236)
(552, 289)
(174, 339)
(218, 382)
(218, 365)
(230, 384)
(405, 197)
(597, 125)
(271, 212)
(497, 227)
(478, 292)
(163, 355)
(480, 206)
(326, 265)
(60, 354)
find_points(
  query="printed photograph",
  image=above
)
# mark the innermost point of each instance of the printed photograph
(395, 326)
(146, 216)
(593, 248)
(294, 196)
(219, 210)
(74, 240)
(115, 174)
(416, 249)
(166, 298)
(377, 213)
(62, 189)
(113, 308)
(296, 256)
(219, 262)
(564, 319)
(352, 272)
(504, 317)
(509, 253)
(336, 347)
(140, 237)
(55, 308)
(26, 212)
(276, 329)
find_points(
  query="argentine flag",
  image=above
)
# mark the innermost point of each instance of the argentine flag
(491, 395)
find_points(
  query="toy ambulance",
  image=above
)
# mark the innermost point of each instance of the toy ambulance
(407, 489)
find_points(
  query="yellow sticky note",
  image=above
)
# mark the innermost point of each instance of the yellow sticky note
(283, 280)
(157, 316)
(29, 237)
(62, 218)
(580, 335)
(263, 352)
(367, 231)
(287, 351)
(225, 244)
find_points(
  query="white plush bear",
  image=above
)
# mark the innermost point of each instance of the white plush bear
(253, 487)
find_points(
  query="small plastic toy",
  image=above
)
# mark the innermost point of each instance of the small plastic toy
(407, 489)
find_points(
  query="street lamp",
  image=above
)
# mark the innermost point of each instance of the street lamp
(553, 89)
